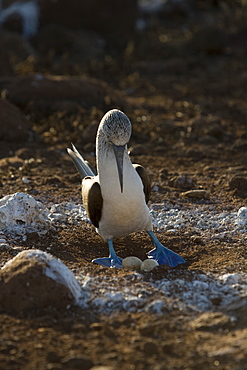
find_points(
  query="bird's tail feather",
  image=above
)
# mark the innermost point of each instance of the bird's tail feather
(82, 166)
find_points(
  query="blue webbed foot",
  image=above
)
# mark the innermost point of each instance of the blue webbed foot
(109, 262)
(163, 255)
(113, 261)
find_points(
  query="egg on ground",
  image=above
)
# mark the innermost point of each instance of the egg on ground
(131, 263)
(148, 265)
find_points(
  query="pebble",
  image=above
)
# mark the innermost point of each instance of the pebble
(199, 292)
(182, 181)
(195, 194)
(239, 184)
(25, 180)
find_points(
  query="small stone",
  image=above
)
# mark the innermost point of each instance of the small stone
(182, 181)
(239, 184)
(199, 194)
(132, 263)
(11, 162)
(148, 265)
(97, 326)
(25, 180)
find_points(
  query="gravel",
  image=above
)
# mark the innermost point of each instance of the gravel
(192, 292)
(133, 292)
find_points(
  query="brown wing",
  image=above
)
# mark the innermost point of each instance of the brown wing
(92, 199)
(145, 180)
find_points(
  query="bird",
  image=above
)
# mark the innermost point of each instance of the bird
(115, 196)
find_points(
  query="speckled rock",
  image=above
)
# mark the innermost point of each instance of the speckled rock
(44, 91)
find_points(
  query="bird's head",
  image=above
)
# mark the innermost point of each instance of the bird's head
(116, 128)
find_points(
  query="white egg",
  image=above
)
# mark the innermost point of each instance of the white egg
(148, 265)
(131, 263)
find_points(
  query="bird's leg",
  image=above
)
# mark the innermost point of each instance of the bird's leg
(113, 260)
(162, 254)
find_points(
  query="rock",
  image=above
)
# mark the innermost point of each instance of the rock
(115, 20)
(11, 162)
(71, 45)
(239, 184)
(24, 153)
(44, 91)
(21, 213)
(14, 127)
(36, 280)
(182, 181)
(211, 321)
(242, 216)
(199, 194)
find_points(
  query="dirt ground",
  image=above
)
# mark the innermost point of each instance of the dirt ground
(187, 101)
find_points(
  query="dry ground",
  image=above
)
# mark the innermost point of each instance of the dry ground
(188, 110)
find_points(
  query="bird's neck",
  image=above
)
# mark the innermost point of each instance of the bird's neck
(104, 153)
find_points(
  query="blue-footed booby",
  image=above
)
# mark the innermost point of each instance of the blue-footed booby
(116, 197)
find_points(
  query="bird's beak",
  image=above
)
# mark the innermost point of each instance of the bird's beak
(119, 154)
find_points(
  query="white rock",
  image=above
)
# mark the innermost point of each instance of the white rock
(21, 212)
(231, 279)
(242, 216)
(156, 306)
(25, 180)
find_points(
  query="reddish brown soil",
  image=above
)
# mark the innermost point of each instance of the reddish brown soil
(188, 110)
